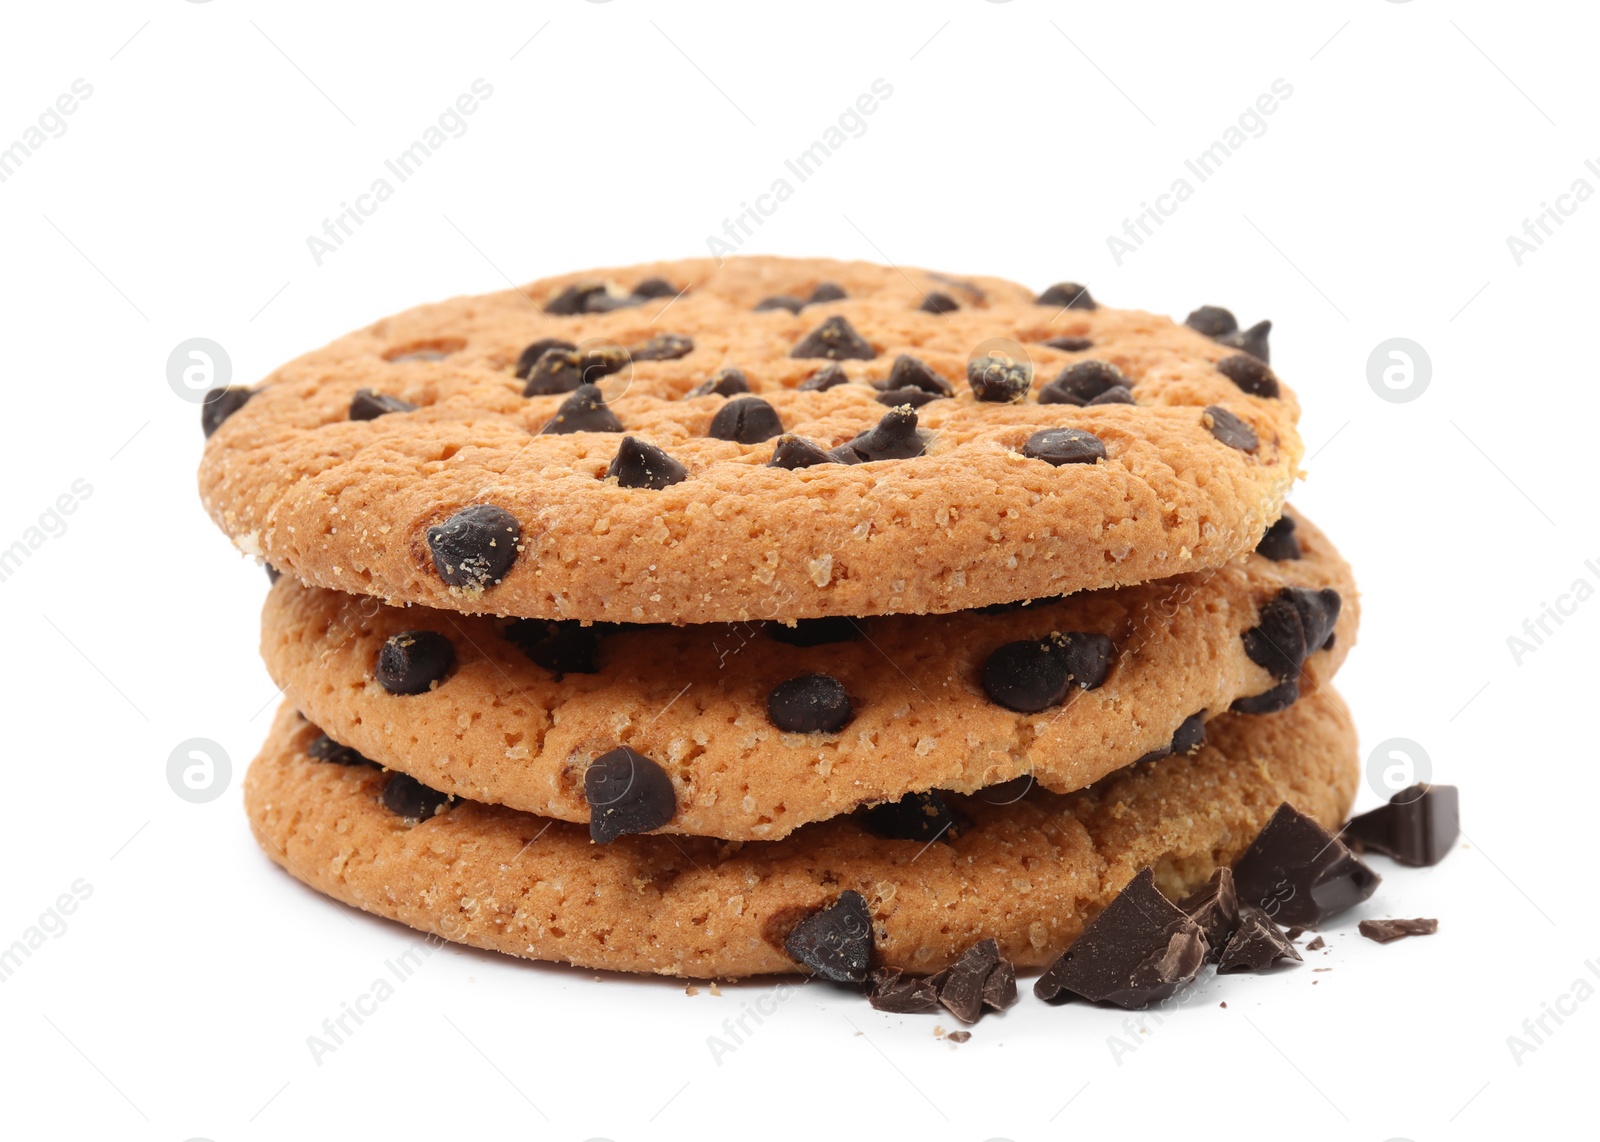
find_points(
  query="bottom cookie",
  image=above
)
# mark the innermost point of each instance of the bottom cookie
(1029, 873)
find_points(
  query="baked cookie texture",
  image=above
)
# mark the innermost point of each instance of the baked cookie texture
(347, 503)
(1030, 873)
(501, 729)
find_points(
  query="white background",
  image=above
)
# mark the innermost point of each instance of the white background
(1377, 204)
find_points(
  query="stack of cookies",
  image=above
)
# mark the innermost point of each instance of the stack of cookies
(790, 615)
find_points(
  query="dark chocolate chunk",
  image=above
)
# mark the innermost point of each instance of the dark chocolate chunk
(1280, 697)
(574, 299)
(1251, 374)
(1082, 381)
(999, 379)
(1141, 949)
(563, 370)
(1256, 944)
(1190, 734)
(1280, 542)
(1298, 873)
(1069, 295)
(1229, 429)
(826, 291)
(723, 383)
(655, 287)
(901, 994)
(748, 420)
(793, 452)
(539, 348)
(1058, 446)
(641, 465)
(828, 377)
(584, 411)
(560, 646)
(221, 403)
(908, 372)
(815, 632)
(937, 302)
(474, 548)
(907, 398)
(811, 703)
(792, 304)
(1025, 676)
(1113, 396)
(627, 793)
(836, 942)
(1388, 931)
(369, 405)
(961, 991)
(1418, 827)
(1215, 907)
(414, 661)
(1071, 344)
(326, 749)
(663, 347)
(1212, 321)
(1000, 989)
(895, 437)
(407, 797)
(836, 340)
(915, 817)
(1252, 340)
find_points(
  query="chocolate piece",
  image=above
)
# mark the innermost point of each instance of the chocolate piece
(475, 547)
(895, 437)
(1190, 734)
(221, 403)
(907, 398)
(655, 287)
(627, 793)
(1298, 873)
(1229, 429)
(560, 646)
(811, 703)
(901, 994)
(959, 1036)
(663, 347)
(1256, 944)
(1280, 697)
(836, 942)
(326, 749)
(1000, 989)
(791, 304)
(909, 373)
(1388, 931)
(1211, 321)
(915, 817)
(1087, 657)
(1252, 340)
(1082, 381)
(584, 411)
(563, 370)
(1215, 907)
(1292, 625)
(1029, 676)
(748, 420)
(826, 291)
(414, 661)
(1069, 295)
(574, 299)
(1141, 949)
(999, 379)
(539, 348)
(937, 302)
(368, 405)
(1058, 446)
(794, 452)
(815, 632)
(407, 797)
(962, 990)
(1070, 344)
(1251, 374)
(1315, 945)
(723, 383)
(835, 339)
(1113, 396)
(641, 465)
(1418, 827)
(1280, 542)
(828, 377)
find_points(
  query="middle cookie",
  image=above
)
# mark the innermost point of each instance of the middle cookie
(761, 728)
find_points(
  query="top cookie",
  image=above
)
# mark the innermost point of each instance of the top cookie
(765, 438)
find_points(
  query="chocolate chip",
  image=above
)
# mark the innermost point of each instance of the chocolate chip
(1256, 944)
(937, 302)
(1298, 873)
(641, 465)
(538, 349)
(1083, 381)
(1250, 374)
(1280, 697)
(836, 942)
(655, 287)
(895, 437)
(407, 797)
(1139, 950)
(562, 647)
(1252, 340)
(1211, 321)
(748, 420)
(792, 304)
(1113, 396)
(1190, 734)
(368, 405)
(999, 379)
(1215, 907)
(1229, 429)
(908, 372)
(835, 339)
(723, 383)
(219, 404)
(1058, 446)
(1280, 542)
(793, 452)
(414, 662)
(1069, 295)
(1033, 675)
(563, 370)
(1070, 344)
(907, 398)
(574, 299)
(961, 991)
(1388, 931)
(1290, 627)
(627, 793)
(815, 632)
(474, 548)
(326, 749)
(584, 411)
(826, 291)
(811, 703)
(663, 347)
(915, 817)
(901, 994)
(1418, 827)
(828, 377)
(1087, 657)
